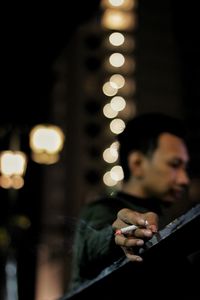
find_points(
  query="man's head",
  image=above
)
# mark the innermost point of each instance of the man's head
(153, 151)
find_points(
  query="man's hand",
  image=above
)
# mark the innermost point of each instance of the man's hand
(130, 242)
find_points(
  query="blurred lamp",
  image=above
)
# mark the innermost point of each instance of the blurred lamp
(13, 166)
(46, 142)
(13, 163)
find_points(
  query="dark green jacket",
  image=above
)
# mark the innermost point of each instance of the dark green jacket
(94, 248)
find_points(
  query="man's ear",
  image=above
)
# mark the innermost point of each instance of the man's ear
(135, 163)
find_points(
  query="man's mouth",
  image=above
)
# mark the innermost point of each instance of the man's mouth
(178, 193)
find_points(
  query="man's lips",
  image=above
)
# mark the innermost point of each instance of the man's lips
(178, 193)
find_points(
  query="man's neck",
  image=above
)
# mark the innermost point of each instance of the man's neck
(133, 188)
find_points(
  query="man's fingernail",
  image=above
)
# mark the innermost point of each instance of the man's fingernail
(140, 243)
(153, 228)
(139, 258)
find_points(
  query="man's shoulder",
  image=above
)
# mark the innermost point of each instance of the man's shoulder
(104, 204)
(102, 209)
(106, 200)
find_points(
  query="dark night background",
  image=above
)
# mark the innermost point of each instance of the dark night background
(32, 38)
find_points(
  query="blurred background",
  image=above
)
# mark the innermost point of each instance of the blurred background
(81, 69)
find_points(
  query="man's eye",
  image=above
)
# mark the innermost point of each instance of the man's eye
(174, 164)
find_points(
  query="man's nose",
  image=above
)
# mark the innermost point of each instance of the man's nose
(183, 177)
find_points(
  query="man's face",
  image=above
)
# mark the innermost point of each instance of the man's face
(165, 174)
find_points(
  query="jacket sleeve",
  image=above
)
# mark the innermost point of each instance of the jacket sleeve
(94, 247)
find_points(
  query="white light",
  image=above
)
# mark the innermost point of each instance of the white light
(13, 163)
(109, 89)
(107, 179)
(120, 4)
(48, 138)
(115, 145)
(117, 173)
(117, 60)
(116, 2)
(109, 112)
(110, 155)
(116, 39)
(118, 79)
(118, 103)
(127, 68)
(117, 126)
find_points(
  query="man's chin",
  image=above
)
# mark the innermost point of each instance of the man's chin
(173, 197)
(170, 199)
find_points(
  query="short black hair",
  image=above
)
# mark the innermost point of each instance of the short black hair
(141, 134)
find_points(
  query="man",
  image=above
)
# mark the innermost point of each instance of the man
(154, 158)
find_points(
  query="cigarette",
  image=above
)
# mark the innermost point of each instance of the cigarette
(128, 228)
